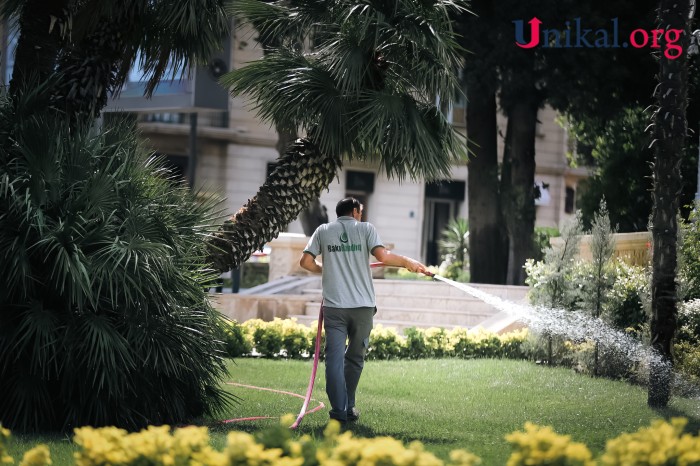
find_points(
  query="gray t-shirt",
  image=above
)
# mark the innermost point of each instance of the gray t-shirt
(345, 246)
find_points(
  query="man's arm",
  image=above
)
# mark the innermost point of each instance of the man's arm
(309, 263)
(397, 260)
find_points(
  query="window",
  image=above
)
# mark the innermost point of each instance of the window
(569, 200)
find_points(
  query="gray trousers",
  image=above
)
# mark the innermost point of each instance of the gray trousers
(344, 364)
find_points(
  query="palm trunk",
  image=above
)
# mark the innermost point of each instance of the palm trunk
(297, 179)
(517, 185)
(38, 43)
(89, 71)
(670, 128)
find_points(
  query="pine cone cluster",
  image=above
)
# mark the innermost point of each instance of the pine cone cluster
(296, 180)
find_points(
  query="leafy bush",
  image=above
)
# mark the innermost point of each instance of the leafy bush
(689, 257)
(415, 346)
(295, 340)
(268, 339)
(688, 324)
(384, 344)
(291, 339)
(541, 239)
(238, 342)
(476, 343)
(687, 360)
(437, 342)
(628, 298)
(105, 319)
(455, 271)
(550, 349)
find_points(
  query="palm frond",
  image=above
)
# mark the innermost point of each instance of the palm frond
(282, 21)
(369, 86)
(96, 242)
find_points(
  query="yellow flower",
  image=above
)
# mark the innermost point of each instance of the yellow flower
(4, 437)
(661, 443)
(100, 446)
(541, 446)
(464, 458)
(332, 430)
(37, 456)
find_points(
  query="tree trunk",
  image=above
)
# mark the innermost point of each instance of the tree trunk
(38, 42)
(488, 253)
(89, 70)
(297, 179)
(313, 215)
(488, 245)
(670, 128)
(518, 185)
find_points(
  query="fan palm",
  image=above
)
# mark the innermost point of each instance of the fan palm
(93, 44)
(104, 317)
(366, 90)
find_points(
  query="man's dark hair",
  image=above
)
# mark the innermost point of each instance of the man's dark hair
(346, 206)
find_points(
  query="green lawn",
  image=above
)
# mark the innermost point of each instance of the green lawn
(450, 403)
(445, 403)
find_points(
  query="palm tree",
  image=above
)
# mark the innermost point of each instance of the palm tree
(105, 319)
(455, 240)
(670, 128)
(365, 90)
(92, 45)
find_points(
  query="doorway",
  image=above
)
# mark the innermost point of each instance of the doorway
(438, 213)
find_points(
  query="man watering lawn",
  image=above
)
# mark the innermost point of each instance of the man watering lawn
(349, 302)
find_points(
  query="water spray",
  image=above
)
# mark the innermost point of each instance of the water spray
(574, 325)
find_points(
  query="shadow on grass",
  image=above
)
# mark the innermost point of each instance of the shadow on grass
(358, 429)
(667, 413)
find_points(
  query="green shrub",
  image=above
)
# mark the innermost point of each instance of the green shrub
(689, 257)
(415, 347)
(455, 271)
(540, 238)
(104, 319)
(384, 343)
(268, 339)
(687, 359)
(688, 324)
(288, 338)
(295, 339)
(437, 343)
(627, 301)
(238, 342)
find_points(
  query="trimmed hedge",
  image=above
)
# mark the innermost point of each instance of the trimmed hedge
(288, 338)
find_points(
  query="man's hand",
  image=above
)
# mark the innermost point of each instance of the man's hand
(397, 260)
(414, 266)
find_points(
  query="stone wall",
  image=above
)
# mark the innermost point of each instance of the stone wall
(632, 248)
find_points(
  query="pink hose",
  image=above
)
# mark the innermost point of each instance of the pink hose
(312, 379)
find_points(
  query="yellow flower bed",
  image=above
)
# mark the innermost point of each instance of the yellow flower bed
(663, 443)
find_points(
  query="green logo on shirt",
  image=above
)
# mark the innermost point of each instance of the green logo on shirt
(344, 237)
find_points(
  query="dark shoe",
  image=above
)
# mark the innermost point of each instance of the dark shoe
(342, 421)
(353, 414)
